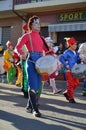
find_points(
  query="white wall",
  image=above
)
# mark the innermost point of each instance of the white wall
(47, 3)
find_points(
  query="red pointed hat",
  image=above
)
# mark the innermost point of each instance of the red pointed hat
(25, 27)
(71, 41)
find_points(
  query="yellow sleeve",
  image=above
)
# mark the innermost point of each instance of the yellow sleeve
(7, 56)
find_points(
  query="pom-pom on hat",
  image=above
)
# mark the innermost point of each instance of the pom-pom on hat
(71, 41)
(25, 27)
(8, 44)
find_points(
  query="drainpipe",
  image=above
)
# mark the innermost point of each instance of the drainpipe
(18, 13)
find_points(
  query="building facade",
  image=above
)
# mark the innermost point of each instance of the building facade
(59, 19)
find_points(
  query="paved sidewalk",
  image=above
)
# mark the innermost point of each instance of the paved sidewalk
(57, 113)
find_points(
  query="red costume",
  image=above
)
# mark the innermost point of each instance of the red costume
(69, 58)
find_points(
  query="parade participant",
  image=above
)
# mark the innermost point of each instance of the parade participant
(25, 83)
(35, 47)
(82, 53)
(69, 58)
(51, 51)
(24, 69)
(8, 62)
(17, 64)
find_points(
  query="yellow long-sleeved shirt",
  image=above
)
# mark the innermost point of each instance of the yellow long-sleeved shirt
(7, 56)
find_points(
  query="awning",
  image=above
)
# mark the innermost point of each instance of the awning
(78, 26)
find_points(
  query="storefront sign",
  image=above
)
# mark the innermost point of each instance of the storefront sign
(74, 16)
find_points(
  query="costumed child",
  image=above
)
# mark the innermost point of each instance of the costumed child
(17, 64)
(9, 62)
(51, 51)
(10, 66)
(24, 68)
(82, 54)
(69, 58)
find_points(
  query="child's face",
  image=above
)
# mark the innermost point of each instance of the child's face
(11, 48)
(73, 47)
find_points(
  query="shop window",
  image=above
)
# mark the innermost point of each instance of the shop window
(44, 31)
(5, 35)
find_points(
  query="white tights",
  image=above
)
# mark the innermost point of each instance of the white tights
(53, 84)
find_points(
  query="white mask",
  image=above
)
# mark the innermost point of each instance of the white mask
(36, 25)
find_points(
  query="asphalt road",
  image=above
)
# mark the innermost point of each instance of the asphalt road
(57, 112)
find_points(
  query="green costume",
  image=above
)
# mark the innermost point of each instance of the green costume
(11, 73)
(25, 83)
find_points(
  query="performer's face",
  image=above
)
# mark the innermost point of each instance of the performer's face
(73, 47)
(11, 48)
(36, 25)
